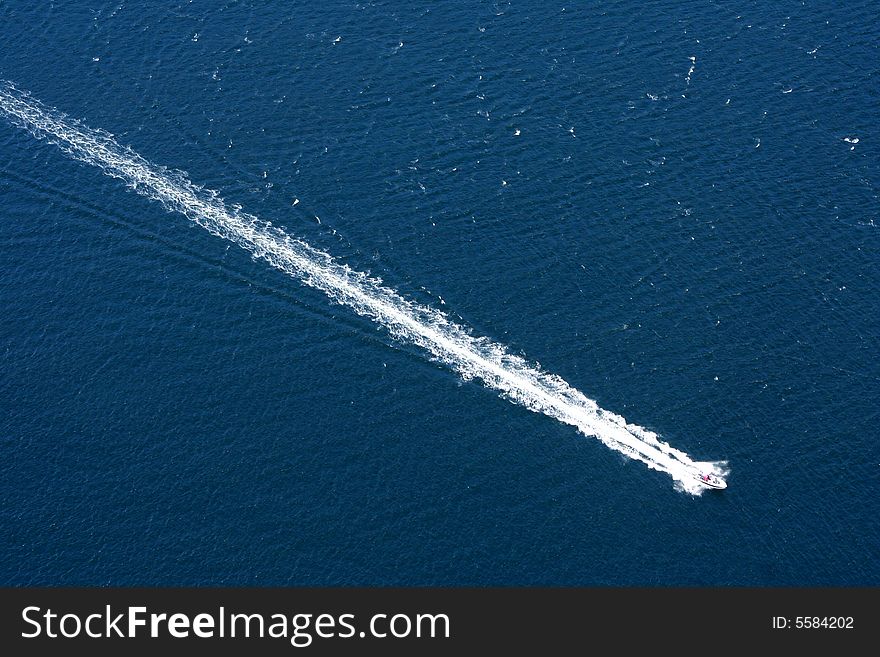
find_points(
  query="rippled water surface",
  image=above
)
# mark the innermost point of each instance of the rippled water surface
(673, 207)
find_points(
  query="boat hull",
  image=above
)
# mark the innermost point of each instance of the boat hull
(712, 482)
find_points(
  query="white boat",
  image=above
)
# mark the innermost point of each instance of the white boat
(711, 481)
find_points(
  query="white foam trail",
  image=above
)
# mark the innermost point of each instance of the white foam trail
(691, 69)
(516, 379)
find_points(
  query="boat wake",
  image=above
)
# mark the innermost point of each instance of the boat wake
(471, 357)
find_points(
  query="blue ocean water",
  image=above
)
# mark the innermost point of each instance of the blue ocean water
(673, 207)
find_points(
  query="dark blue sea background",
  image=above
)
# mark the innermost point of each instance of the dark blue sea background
(673, 206)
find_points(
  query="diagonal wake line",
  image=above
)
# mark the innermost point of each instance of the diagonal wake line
(471, 357)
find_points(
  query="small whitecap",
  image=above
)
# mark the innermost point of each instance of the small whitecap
(516, 132)
(851, 140)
